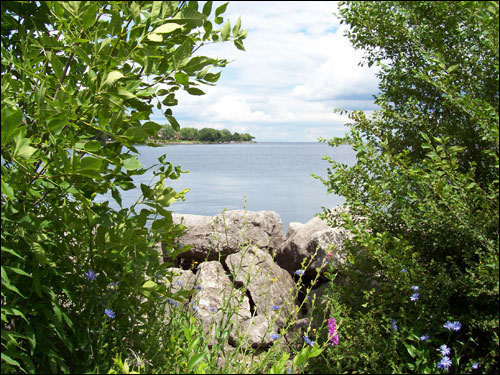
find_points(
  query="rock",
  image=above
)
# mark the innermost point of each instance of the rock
(271, 288)
(254, 332)
(328, 241)
(224, 234)
(216, 298)
(294, 250)
(314, 237)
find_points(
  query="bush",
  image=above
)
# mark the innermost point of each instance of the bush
(79, 81)
(426, 180)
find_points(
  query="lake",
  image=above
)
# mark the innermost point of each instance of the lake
(272, 176)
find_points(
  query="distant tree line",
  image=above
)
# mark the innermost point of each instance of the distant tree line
(167, 133)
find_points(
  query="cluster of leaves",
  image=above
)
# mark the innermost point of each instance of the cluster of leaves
(203, 135)
(79, 83)
(426, 181)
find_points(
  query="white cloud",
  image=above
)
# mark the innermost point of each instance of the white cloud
(297, 68)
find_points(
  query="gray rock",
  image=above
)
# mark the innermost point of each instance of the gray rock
(294, 250)
(224, 234)
(272, 288)
(217, 298)
(328, 241)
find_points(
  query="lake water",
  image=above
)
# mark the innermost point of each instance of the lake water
(272, 176)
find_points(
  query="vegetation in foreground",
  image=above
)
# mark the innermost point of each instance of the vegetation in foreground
(420, 292)
(81, 289)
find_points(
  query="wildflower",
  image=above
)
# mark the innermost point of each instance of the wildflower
(113, 285)
(309, 342)
(452, 326)
(403, 269)
(332, 330)
(424, 338)
(329, 255)
(444, 363)
(91, 275)
(172, 302)
(299, 272)
(444, 350)
(276, 307)
(274, 336)
(475, 366)
(198, 287)
(179, 244)
(415, 288)
(393, 324)
(414, 297)
(195, 308)
(213, 309)
(110, 313)
(180, 283)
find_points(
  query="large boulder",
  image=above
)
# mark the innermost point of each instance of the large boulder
(226, 233)
(313, 241)
(216, 297)
(272, 291)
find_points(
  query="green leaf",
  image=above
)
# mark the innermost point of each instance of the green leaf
(173, 122)
(23, 149)
(93, 146)
(239, 44)
(194, 362)
(149, 285)
(131, 164)
(155, 38)
(182, 78)
(225, 31)
(91, 163)
(195, 91)
(167, 28)
(236, 28)
(7, 190)
(207, 8)
(11, 123)
(221, 9)
(112, 77)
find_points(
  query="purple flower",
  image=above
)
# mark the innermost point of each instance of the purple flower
(276, 307)
(110, 313)
(332, 331)
(172, 302)
(452, 326)
(393, 324)
(179, 244)
(198, 287)
(475, 366)
(274, 336)
(415, 288)
(403, 269)
(91, 275)
(309, 342)
(299, 272)
(424, 338)
(212, 309)
(180, 283)
(444, 350)
(414, 297)
(195, 308)
(444, 363)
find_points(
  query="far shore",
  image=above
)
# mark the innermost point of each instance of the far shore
(168, 143)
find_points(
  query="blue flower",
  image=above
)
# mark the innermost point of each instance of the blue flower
(299, 272)
(198, 287)
(403, 269)
(415, 288)
(444, 363)
(91, 275)
(444, 350)
(276, 307)
(172, 302)
(309, 342)
(452, 326)
(213, 309)
(179, 244)
(393, 324)
(414, 297)
(424, 338)
(180, 283)
(475, 366)
(110, 313)
(195, 308)
(274, 336)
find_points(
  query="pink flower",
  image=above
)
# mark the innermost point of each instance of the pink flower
(332, 330)
(329, 255)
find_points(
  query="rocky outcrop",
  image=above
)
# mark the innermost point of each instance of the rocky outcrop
(240, 288)
(224, 234)
(312, 242)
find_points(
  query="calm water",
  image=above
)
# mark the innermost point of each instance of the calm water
(272, 176)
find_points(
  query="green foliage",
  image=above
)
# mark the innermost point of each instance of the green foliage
(205, 135)
(426, 184)
(79, 82)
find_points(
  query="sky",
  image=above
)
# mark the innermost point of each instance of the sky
(298, 66)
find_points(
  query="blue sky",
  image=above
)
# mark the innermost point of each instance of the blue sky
(298, 66)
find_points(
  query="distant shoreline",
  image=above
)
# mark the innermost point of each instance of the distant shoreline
(169, 143)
